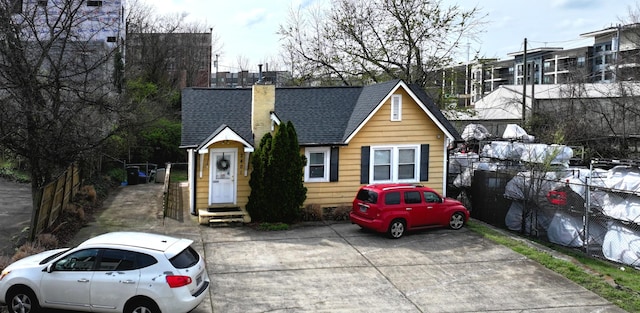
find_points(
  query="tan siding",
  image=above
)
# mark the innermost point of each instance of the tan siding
(202, 183)
(415, 128)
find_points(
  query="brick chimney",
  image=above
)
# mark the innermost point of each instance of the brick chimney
(263, 100)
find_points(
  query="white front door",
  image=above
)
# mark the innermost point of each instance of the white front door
(222, 187)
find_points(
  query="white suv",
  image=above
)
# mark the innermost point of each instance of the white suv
(127, 272)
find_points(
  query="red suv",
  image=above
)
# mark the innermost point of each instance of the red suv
(396, 208)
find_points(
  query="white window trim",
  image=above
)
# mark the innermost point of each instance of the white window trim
(327, 158)
(396, 105)
(394, 164)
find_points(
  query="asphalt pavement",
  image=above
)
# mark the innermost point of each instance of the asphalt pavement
(337, 267)
(15, 215)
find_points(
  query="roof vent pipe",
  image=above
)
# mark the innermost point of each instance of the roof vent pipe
(259, 73)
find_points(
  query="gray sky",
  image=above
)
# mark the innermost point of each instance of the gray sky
(248, 28)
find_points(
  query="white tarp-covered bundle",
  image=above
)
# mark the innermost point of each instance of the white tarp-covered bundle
(528, 152)
(514, 131)
(475, 132)
(541, 153)
(523, 187)
(622, 244)
(623, 207)
(514, 218)
(465, 178)
(568, 230)
(460, 161)
(576, 179)
(501, 150)
(624, 179)
(616, 194)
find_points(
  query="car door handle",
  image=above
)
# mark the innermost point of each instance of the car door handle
(409, 209)
(429, 207)
(128, 282)
(83, 280)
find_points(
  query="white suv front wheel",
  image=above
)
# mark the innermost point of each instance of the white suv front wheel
(22, 300)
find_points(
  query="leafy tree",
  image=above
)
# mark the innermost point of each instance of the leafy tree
(359, 41)
(162, 139)
(165, 53)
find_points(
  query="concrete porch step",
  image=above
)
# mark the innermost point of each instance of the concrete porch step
(226, 220)
(226, 213)
(222, 215)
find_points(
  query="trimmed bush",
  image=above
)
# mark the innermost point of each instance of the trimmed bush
(277, 189)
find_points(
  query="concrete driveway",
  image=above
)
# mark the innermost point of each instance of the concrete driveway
(340, 268)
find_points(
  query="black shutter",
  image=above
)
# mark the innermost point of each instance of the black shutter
(424, 162)
(364, 164)
(333, 164)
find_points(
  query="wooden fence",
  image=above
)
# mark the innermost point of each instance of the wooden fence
(54, 197)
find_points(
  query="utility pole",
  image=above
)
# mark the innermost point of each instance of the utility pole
(616, 58)
(216, 65)
(524, 82)
(467, 81)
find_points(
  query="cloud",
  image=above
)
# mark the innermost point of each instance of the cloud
(251, 18)
(305, 3)
(575, 4)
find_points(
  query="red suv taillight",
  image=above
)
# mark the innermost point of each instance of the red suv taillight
(176, 281)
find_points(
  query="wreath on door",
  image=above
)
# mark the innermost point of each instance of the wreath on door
(223, 164)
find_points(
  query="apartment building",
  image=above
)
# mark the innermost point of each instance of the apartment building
(489, 74)
(85, 36)
(614, 56)
(94, 21)
(244, 79)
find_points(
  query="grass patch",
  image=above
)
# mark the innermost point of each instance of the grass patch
(621, 288)
(10, 171)
(178, 175)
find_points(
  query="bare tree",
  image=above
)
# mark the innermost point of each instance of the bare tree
(57, 98)
(359, 41)
(243, 70)
(168, 50)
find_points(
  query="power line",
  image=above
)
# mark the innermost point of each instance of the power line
(559, 41)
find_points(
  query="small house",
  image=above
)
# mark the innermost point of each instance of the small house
(386, 132)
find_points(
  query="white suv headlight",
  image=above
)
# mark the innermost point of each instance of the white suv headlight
(4, 273)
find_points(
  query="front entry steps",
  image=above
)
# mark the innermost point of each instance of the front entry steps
(223, 215)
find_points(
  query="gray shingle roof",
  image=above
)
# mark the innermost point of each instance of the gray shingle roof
(321, 115)
(204, 110)
(318, 114)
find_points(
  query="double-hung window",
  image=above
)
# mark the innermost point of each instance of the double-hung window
(317, 169)
(395, 164)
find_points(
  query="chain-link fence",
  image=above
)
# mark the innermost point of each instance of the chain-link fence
(534, 190)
